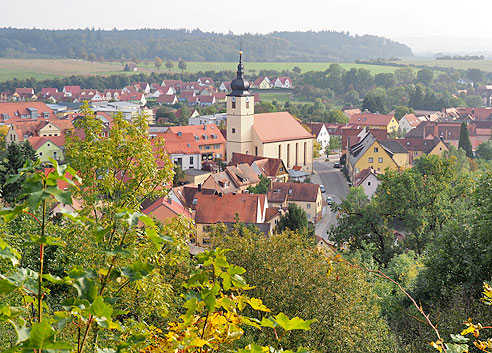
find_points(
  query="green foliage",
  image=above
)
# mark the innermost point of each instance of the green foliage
(294, 219)
(335, 144)
(16, 155)
(373, 103)
(464, 142)
(425, 76)
(484, 150)
(338, 117)
(400, 111)
(295, 278)
(261, 187)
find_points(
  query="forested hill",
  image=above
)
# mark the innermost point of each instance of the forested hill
(168, 44)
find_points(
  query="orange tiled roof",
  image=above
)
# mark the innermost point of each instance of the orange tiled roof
(213, 209)
(370, 119)
(280, 126)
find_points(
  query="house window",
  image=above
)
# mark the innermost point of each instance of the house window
(233, 104)
(49, 145)
(379, 169)
(368, 183)
(357, 170)
(54, 155)
(233, 130)
(217, 146)
(376, 149)
(208, 147)
(191, 161)
(371, 160)
(308, 206)
(309, 216)
(256, 150)
(380, 160)
(40, 154)
(247, 105)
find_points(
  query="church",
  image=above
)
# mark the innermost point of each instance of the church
(273, 135)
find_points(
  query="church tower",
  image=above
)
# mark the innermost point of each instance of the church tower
(240, 115)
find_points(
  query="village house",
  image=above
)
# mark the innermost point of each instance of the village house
(369, 181)
(262, 82)
(182, 149)
(165, 208)
(248, 209)
(234, 179)
(306, 196)
(320, 133)
(225, 86)
(205, 81)
(271, 168)
(375, 121)
(409, 122)
(276, 135)
(135, 98)
(215, 119)
(10, 112)
(417, 147)
(281, 82)
(379, 154)
(167, 99)
(205, 101)
(130, 67)
(49, 147)
(210, 141)
(71, 91)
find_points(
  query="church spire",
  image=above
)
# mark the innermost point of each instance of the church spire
(240, 85)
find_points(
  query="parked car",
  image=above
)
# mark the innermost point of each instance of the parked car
(322, 188)
(329, 200)
(336, 165)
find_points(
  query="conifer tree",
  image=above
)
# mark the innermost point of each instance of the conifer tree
(465, 142)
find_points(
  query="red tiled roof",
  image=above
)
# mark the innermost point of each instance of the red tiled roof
(359, 178)
(370, 119)
(167, 99)
(412, 120)
(136, 96)
(199, 131)
(184, 144)
(38, 141)
(48, 91)
(13, 111)
(73, 89)
(293, 192)
(165, 208)
(213, 209)
(206, 99)
(280, 126)
(24, 91)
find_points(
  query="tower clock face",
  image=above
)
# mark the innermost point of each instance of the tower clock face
(233, 99)
(247, 99)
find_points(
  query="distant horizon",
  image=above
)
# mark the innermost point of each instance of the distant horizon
(420, 45)
(385, 18)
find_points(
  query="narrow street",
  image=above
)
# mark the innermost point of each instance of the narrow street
(335, 185)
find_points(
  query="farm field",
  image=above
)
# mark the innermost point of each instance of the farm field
(281, 97)
(484, 65)
(43, 68)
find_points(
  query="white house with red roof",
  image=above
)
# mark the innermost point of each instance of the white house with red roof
(167, 99)
(225, 86)
(71, 91)
(369, 181)
(182, 149)
(282, 82)
(409, 122)
(205, 81)
(262, 82)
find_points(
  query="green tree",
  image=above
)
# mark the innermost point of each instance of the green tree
(335, 144)
(261, 187)
(352, 98)
(425, 76)
(170, 65)
(157, 63)
(178, 175)
(338, 117)
(294, 277)
(474, 101)
(405, 76)
(316, 148)
(16, 155)
(373, 103)
(464, 141)
(484, 150)
(386, 80)
(182, 65)
(294, 219)
(400, 111)
(297, 69)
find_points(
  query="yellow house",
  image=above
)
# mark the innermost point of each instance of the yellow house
(375, 121)
(306, 196)
(418, 147)
(262, 82)
(379, 155)
(49, 147)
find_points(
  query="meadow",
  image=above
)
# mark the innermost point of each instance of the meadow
(484, 65)
(43, 68)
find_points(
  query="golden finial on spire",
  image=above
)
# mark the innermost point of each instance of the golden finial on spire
(240, 52)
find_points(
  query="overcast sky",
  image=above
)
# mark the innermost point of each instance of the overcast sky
(406, 21)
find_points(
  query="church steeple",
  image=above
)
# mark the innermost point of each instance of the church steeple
(240, 85)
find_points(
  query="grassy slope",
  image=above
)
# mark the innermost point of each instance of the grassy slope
(40, 68)
(484, 65)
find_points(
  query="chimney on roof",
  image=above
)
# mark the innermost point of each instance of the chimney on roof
(199, 187)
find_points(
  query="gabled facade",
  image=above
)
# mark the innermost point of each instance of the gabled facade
(375, 121)
(320, 133)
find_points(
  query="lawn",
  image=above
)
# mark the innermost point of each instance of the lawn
(281, 97)
(43, 68)
(484, 65)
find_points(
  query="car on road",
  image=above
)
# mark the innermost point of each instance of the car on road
(336, 165)
(322, 188)
(329, 200)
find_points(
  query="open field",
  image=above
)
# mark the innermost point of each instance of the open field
(484, 65)
(281, 97)
(42, 68)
